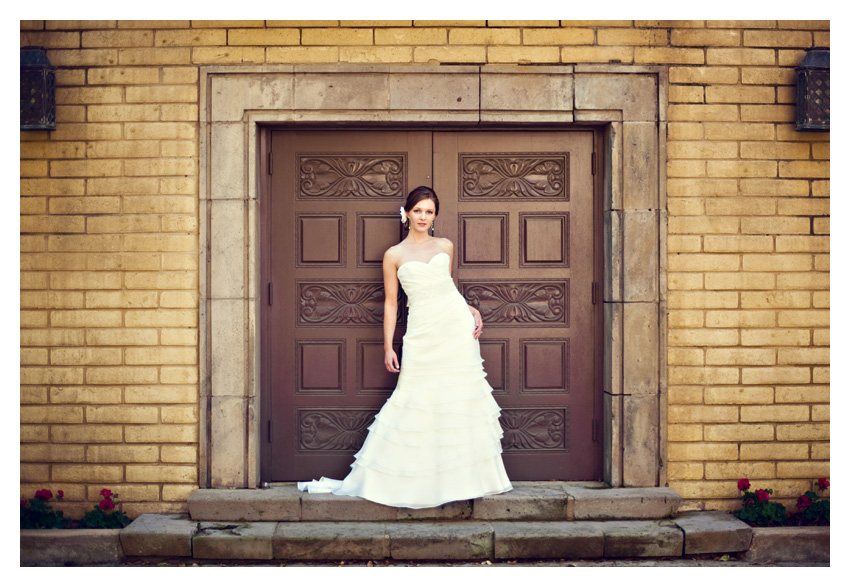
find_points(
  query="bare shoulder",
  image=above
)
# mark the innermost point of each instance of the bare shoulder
(446, 245)
(393, 254)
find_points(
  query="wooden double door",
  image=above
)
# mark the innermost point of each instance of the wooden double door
(521, 211)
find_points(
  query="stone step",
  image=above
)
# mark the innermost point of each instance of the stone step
(530, 501)
(174, 535)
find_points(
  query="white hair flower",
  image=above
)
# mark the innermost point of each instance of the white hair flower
(403, 215)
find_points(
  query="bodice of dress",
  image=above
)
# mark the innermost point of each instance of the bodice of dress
(427, 282)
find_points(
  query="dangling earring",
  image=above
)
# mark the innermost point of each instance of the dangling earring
(432, 229)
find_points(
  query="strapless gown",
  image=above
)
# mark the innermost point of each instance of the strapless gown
(437, 437)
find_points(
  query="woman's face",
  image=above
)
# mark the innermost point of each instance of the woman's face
(422, 215)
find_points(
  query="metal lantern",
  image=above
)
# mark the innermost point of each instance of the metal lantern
(38, 90)
(813, 91)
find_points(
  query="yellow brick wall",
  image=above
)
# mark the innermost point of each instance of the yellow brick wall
(109, 240)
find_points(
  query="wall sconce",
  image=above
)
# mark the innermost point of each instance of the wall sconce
(38, 90)
(813, 91)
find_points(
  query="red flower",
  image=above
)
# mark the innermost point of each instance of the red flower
(105, 493)
(44, 494)
(803, 502)
(24, 503)
(61, 494)
(743, 484)
(762, 495)
(107, 504)
(823, 483)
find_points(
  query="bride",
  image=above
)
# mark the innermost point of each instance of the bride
(437, 438)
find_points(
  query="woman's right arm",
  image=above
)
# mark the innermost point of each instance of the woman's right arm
(390, 311)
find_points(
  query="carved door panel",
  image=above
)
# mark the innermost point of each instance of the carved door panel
(522, 204)
(334, 211)
(519, 208)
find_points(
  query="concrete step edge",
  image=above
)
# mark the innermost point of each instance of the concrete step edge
(528, 501)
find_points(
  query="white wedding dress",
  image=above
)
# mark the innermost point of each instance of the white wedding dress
(437, 438)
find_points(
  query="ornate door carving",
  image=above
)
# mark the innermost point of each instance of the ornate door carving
(519, 207)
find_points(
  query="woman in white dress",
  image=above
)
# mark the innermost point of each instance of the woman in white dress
(437, 438)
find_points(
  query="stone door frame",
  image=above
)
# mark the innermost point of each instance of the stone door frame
(628, 102)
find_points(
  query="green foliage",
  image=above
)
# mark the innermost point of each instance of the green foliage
(104, 514)
(759, 510)
(37, 513)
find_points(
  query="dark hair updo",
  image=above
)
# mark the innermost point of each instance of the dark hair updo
(419, 194)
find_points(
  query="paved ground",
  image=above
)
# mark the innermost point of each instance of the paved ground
(719, 562)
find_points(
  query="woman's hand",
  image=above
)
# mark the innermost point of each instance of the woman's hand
(479, 322)
(391, 361)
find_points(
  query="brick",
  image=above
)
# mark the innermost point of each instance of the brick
(348, 36)
(160, 356)
(738, 131)
(155, 56)
(51, 337)
(85, 395)
(685, 318)
(83, 57)
(122, 454)
(161, 93)
(88, 473)
(701, 187)
(740, 94)
(819, 244)
(741, 168)
(702, 451)
(685, 356)
(685, 471)
(179, 454)
(112, 76)
(117, 38)
(51, 299)
(804, 206)
(593, 54)
(702, 299)
(121, 336)
(808, 280)
(685, 207)
(159, 318)
(179, 336)
(121, 375)
(705, 38)
(805, 318)
(424, 36)
(737, 243)
(702, 149)
(729, 56)
(302, 54)
(686, 394)
(768, 113)
(85, 318)
(85, 356)
(85, 434)
(264, 37)
(703, 112)
(703, 75)
(750, 470)
(804, 169)
(51, 414)
(768, 75)
(85, 280)
(161, 394)
(384, 54)
(768, 375)
(689, 414)
(740, 281)
(739, 395)
(739, 356)
(88, 205)
(803, 356)
(683, 243)
(51, 40)
(684, 432)
(156, 433)
(121, 186)
(774, 451)
(520, 55)
(679, 281)
(798, 431)
(777, 39)
(631, 37)
(122, 414)
(704, 262)
(739, 319)
(775, 337)
(820, 413)
(52, 453)
(703, 375)
(179, 414)
(777, 262)
(85, 168)
(775, 299)
(669, 55)
(179, 375)
(805, 470)
(478, 36)
(190, 38)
